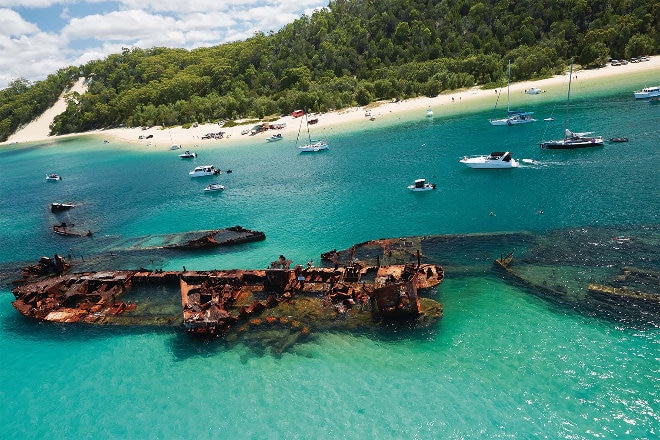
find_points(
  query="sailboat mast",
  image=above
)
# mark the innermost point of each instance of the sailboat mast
(568, 98)
(309, 136)
(508, 86)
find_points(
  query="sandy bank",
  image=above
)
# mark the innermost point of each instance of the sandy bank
(445, 103)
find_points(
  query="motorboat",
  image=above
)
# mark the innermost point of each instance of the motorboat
(187, 155)
(618, 139)
(211, 187)
(175, 147)
(53, 177)
(572, 140)
(421, 185)
(204, 170)
(429, 113)
(534, 91)
(58, 207)
(314, 146)
(274, 138)
(513, 117)
(496, 159)
(647, 92)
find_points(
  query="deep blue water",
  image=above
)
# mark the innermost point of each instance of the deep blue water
(501, 364)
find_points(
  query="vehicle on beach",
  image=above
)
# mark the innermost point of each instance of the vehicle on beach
(204, 170)
(421, 185)
(297, 113)
(512, 117)
(188, 155)
(496, 159)
(275, 137)
(647, 92)
(212, 187)
(53, 177)
(572, 140)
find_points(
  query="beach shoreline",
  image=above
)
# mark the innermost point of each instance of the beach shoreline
(156, 138)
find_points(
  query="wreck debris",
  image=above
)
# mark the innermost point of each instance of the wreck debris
(216, 237)
(214, 302)
(65, 229)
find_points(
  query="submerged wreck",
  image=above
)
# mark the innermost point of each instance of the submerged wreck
(213, 303)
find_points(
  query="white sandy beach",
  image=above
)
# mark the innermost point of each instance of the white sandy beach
(446, 103)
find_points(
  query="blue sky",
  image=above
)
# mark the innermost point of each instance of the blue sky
(37, 37)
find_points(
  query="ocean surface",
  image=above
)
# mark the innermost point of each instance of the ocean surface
(502, 363)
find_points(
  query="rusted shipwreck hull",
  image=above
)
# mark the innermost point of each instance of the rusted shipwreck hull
(215, 301)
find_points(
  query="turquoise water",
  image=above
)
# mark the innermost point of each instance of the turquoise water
(502, 363)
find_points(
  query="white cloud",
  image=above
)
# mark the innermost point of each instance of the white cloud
(12, 24)
(25, 51)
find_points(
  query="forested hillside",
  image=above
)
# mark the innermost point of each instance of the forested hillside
(351, 53)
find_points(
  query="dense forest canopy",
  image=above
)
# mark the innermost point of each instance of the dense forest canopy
(351, 53)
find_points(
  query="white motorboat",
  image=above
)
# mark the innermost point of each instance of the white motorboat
(512, 117)
(429, 113)
(534, 91)
(204, 170)
(53, 177)
(421, 185)
(496, 159)
(647, 92)
(175, 147)
(188, 155)
(572, 140)
(274, 138)
(211, 187)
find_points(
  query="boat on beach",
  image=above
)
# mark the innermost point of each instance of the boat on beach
(496, 159)
(204, 170)
(647, 92)
(53, 177)
(512, 117)
(422, 185)
(572, 140)
(187, 155)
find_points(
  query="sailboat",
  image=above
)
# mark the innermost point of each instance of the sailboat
(313, 145)
(572, 140)
(512, 117)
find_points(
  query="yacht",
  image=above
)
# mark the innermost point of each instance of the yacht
(496, 159)
(647, 92)
(204, 170)
(187, 155)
